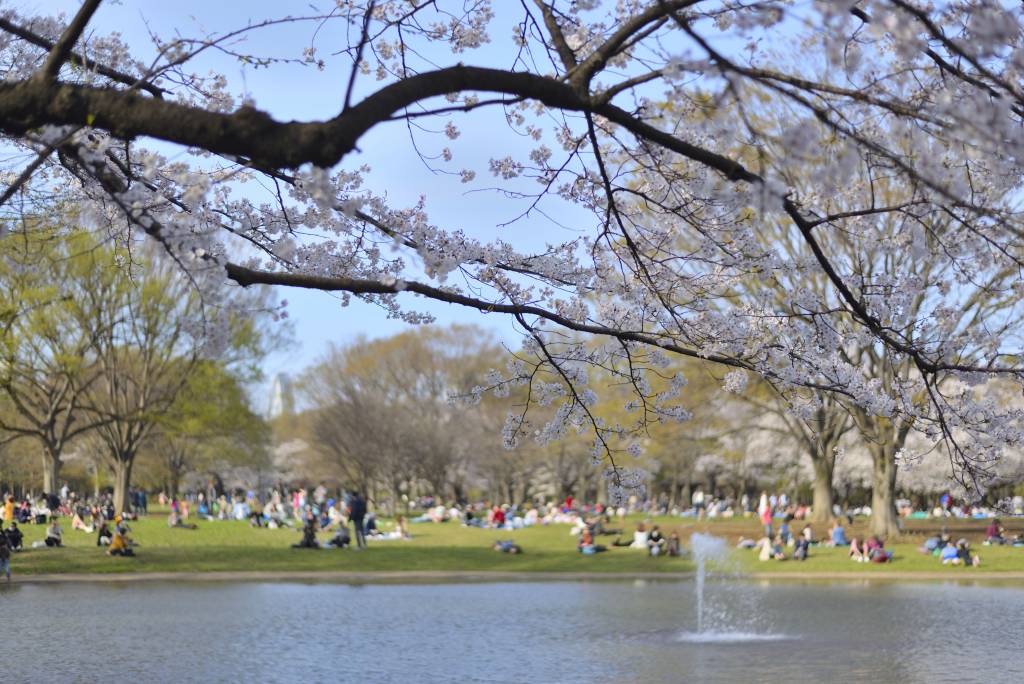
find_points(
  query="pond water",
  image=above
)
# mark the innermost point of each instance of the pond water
(511, 632)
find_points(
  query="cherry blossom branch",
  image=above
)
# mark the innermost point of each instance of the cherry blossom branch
(61, 50)
(79, 59)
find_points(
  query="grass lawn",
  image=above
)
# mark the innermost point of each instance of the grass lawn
(234, 546)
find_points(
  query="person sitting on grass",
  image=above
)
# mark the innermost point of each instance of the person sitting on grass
(120, 525)
(341, 538)
(402, 528)
(597, 526)
(933, 545)
(858, 551)
(837, 535)
(963, 552)
(54, 534)
(803, 544)
(25, 512)
(950, 554)
(779, 548)
(14, 537)
(497, 517)
(120, 545)
(370, 528)
(401, 531)
(876, 550)
(507, 547)
(994, 533)
(674, 548)
(784, 529)
(77, 523)
(655, 542)
(771, 549)
(586, 544)
(308, 534)
(640, 537)
(104, 536)
(764, 547)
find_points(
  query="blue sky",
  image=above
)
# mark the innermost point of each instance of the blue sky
(303, 93)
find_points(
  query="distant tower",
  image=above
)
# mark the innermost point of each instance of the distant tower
(282, 400)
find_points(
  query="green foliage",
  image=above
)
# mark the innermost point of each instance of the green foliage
(110, 346)
(209, 426)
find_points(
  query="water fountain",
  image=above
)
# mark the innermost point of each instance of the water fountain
(709, 549)
(705, 547)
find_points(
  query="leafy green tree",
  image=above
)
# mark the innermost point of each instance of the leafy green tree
(209, 426)
(47, 339)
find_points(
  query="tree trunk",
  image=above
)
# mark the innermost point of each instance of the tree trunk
(122, 480)
(884, 520)
(821, 505)
(51, 470)
(174, 483)
(673, 495)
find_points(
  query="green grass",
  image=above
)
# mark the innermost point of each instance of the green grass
(234, 546)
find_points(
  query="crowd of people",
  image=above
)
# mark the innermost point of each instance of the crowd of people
(87, 515)
(349, 519)
(945, 506)
(346, 521)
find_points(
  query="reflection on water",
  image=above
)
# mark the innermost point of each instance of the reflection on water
(513, 632)
(728, 637)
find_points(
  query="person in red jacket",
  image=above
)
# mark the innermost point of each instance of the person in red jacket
(498, 517)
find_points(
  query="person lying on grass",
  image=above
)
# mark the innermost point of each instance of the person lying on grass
(507, 547)
(174, 520)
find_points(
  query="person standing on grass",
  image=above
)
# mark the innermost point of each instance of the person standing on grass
(5, 556)
(357, 514)
(9, 510)
(766, 520)
(698, 503)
